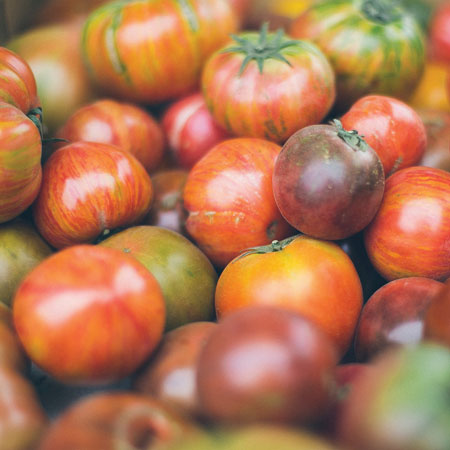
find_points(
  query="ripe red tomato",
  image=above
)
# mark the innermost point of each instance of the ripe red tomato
(309, 276)
(89, 314)
(17, 83)
(267, 86)
(124, 125)
(191, 130)
(440, 33)
(89, 188)
(20, 162)
(375, 47)
(154, 51)
(229, 199)
(392, 128)
(409, 236)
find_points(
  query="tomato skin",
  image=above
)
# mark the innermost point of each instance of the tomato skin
(17, 83)
(20, 162)
(392, 128)
(109, 295)
(409, 236)
(122, 124)
(88, 188)
(309, 276)
(369, 57)
(229, 199)
(191, 130)
(144, 65)
(278, 101)
(440, 33)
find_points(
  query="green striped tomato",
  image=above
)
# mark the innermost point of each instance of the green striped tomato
(374, 47)
(153, 50)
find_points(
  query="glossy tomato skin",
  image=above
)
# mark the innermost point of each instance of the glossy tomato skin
(20, 162)
(164, 59)
(409, 236)
(115, 420)
(265, 364)
(311, 277)
(17, 83)
(88, 188)
(391, 127)
(394, 315)
(277, 102)
(229, 199)
(324, 187)
(191, 130)
(440, 33)
(108, 295)
(369, 55)
(122, 124)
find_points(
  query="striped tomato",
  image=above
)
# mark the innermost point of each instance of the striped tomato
(410, 233)
(153, 50)
(374, 47)
(268, 86)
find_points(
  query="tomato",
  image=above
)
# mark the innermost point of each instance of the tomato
(409, 236)
(229, 199)
(53, 53)
(327, 182)
(106, 295)
(373, 46)
(17, 82)
(20, 162)
(88, 189)
(436, 318)
(392, 128)
(11, 351)
(265, 364)
(191, 130)
(115, 420)
(185, 275)
(151, 51)
(124, 125)
(440, 33)
(266, 86)
(312, 277)
(21, 249)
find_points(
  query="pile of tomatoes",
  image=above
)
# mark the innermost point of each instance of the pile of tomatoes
(225, 224)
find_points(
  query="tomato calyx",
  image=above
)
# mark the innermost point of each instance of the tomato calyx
(352, 138)
(380, 11)
(274, 246)
(35, 115)
(261, 47)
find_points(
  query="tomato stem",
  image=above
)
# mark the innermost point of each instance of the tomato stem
(352, 138)
(381, 11)
(274, 246)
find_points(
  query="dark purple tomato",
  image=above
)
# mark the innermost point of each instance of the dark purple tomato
(327, 182)
(265, 364)
(394, 315)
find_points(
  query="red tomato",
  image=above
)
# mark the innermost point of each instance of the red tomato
(392, 128)
(229, 199)
(124, 125)
(89, 314)
(440, 33)
(267, 86)
(410, 233)
(191, 130)
(309, 276)
(150, 51)
(436, 319)
(88, 189)
(17, 83)
(20, 162)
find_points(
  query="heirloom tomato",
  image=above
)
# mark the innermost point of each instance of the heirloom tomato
(392, 128)
(88, 189)
(267, 86)
(374, 46)
(89, 314)
(20, 161)
(229, 199)
(305, 275)
(327, 182)
(409, 235)
(151, 51)
(122, 124)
